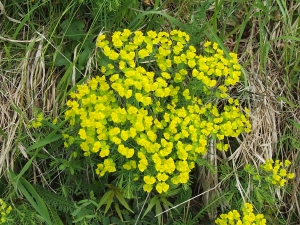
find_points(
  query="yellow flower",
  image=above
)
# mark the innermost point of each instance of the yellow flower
(96, 147)
(162, 177)
(290, 175)
(149, 179)
(207, 44)
(287, 163)
(162, 187)
(104, 152)
(147, 187)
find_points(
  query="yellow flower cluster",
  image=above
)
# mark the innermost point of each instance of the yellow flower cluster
(4, 211)
(37, 122)
(151, 112)
(278, 172)
(234, 217)
(274, 173)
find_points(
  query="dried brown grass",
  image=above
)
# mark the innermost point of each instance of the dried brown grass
(267, 84)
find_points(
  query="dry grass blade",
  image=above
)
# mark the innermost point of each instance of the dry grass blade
(273, 99)
(269, 114)
(24, 87)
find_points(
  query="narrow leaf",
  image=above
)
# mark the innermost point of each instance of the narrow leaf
(122, 200)
(104, 198)
(109, 202)
(117, 208)
(3, 134)
(151, 204)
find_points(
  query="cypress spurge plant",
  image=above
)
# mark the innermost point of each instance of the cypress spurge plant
(4, 211)
(271, 173)
(153, 109)
(268, 180)
(234, 217)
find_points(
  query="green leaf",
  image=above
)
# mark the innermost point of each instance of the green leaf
(3, 134)
(295, 123)
(54, 216)
(122, 200)
(83, 58)
(63, 59)
(41, 143)
(292, 105)
(71, 170)
(105, 220)
(117, 208)
(134, 23)
(32, 196)
(104, 198)
(158, 210)
(17, 109)
(74, 29)
(109, 201)
(152, 203)
(62, 166)
(259, 197)
(166, 203)
(172, 192)
(25, 168)
(78, 220)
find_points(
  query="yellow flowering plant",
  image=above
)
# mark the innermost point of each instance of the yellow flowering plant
(274, 173)
(4, 211)
(266, 180)
(153, 109)
(37, 121)
(247, 218)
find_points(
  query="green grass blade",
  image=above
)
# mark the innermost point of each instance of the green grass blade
(3, 134)
(32, 196)
(135, 24)
(43, 142)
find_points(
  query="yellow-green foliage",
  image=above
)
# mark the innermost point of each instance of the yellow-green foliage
(4, 211)
(234, 217)
(153, 111)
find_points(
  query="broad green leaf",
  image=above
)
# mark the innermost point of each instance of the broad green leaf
(74, 30)
(105, 220)
(63, 59)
